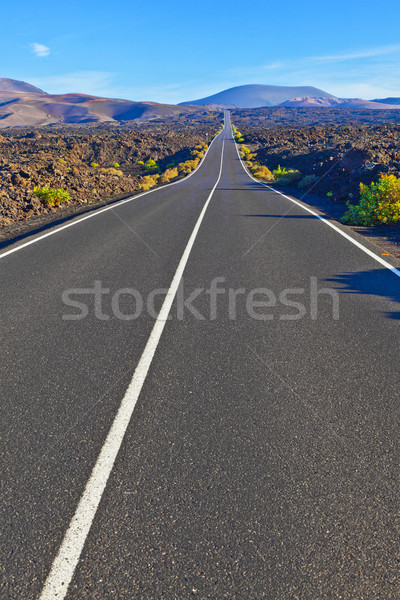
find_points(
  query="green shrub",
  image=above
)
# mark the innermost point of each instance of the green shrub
(279, 172)
(62, 161)
(307, 181)
(116, 165)
(238, 136)
(290, 177)
(170, 165)
(286, 176)
(94, 164)
(379, 203)
(151, 166)
(51, 196)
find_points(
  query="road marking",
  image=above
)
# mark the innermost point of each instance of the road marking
(63, 567)
(101, 210)
(324, 220)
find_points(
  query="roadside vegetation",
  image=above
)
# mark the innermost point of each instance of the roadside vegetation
(51, 196)
(172, 172)
(93, 164)
(239, 139)
(349, 162)
(262, 172)
(379, 202)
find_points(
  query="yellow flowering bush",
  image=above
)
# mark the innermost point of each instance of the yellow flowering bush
(168, 175)
(188, 166)
(379, 203)
(199, 150)
(237, 135)
(262, 172)
(147, 182)
(110, 171)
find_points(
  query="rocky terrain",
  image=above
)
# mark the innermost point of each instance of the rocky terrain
(65, 157)
(339, 154)
(281, 116)
(340, 157)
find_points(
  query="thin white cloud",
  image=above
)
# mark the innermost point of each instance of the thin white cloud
(96, 83)
(307, 61)
(273, 65)
(365, 77)
(40, 49)
(368, 73)
(368, 53)
(104, 84)
(365, 91)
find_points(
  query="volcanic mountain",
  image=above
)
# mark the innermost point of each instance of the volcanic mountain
(356, 103)
(22, 104)
(255, 96)
(12, 85)
(387, 100)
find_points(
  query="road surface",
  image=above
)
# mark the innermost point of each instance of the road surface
(262, 456)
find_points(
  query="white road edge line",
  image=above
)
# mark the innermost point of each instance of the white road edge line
(63, 567)
(109, 207)
(324, 220)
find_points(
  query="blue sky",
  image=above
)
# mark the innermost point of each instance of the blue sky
(181, 50)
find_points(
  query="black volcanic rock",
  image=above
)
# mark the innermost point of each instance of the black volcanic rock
(61, 156)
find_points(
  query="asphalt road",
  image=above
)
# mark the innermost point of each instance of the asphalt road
(262, 458)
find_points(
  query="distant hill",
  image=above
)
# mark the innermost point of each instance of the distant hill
(21, 104)
(255, 96)
(12, 85)
(311, 102)
(388, 100)
(349, 103)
